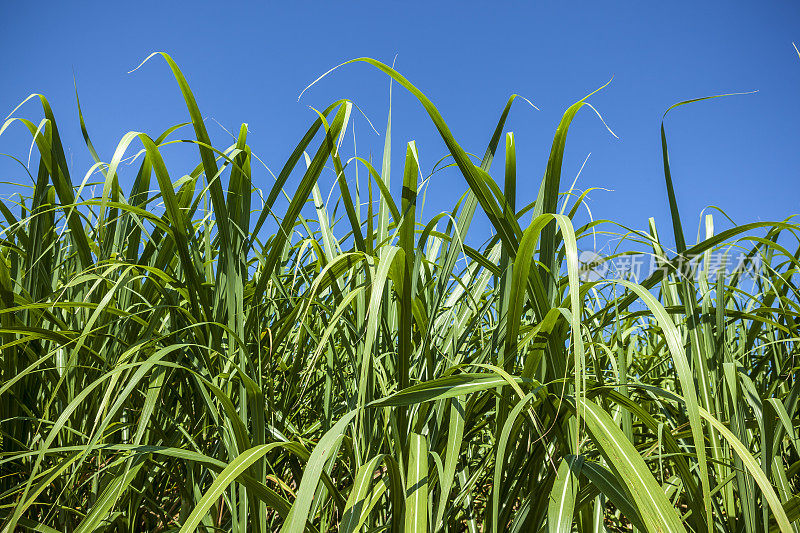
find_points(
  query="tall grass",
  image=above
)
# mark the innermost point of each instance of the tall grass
(170, 364)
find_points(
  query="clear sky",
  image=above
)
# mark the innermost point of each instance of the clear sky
(248, 62)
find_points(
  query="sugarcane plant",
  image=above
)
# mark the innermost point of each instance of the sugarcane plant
(217, 352)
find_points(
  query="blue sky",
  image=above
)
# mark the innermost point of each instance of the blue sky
(248, 63)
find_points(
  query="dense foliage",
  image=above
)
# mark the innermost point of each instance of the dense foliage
(171, 363)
